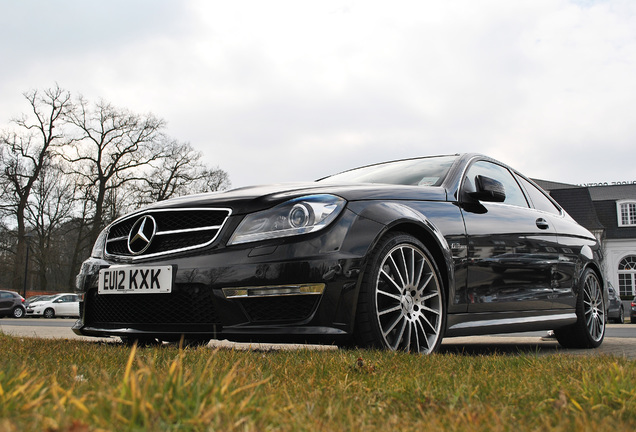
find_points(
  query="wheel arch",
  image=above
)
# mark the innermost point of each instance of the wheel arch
(578, 277)
(434, 242)
(599, 273)
(592, 265)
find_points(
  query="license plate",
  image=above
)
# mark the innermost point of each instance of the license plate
(135, 280)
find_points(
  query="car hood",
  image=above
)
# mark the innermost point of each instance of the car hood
(39, 303)
(255, 198)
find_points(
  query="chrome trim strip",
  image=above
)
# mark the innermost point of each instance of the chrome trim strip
(508, 321)
(274, 291)
(109, 240)
(205, 228)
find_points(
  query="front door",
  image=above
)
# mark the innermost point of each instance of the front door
(512, 249)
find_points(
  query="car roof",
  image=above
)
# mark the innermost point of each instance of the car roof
(55, 295)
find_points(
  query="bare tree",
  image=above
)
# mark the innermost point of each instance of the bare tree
(7, 255)
(51, 207)
(25, 153)
(74, 236)
(110, 149)
(179, 172)
(214, 179)
(68, 167)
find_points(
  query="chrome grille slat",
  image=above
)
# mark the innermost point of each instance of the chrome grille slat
(117, 239)
(190, 230)
(177, 230)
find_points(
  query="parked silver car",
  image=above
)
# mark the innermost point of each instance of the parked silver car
(65, 304)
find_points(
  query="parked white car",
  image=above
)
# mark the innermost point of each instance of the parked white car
(63, 305)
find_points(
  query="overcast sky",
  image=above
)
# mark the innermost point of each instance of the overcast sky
(279, 91)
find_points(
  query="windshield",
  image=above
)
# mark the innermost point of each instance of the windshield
(429, 171)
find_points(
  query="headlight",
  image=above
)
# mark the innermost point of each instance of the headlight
(298, 216)
(100, 244)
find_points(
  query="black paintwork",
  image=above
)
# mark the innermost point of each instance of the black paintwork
(505, 268)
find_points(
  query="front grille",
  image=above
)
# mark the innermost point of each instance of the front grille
(187, 304)
(280, 308)
(176, 230)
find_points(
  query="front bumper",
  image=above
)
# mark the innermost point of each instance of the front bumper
(241, 293)
(202, 308)
(34, 312)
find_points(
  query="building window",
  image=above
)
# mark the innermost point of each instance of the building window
(627, 276)
(626, 213)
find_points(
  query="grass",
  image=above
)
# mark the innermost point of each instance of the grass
(76, 386)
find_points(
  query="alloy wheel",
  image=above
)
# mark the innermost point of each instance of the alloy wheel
(408, 300)
(593, 308)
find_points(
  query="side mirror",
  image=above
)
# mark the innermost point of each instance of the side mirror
(488, 189)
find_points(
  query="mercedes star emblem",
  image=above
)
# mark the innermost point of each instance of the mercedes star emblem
(141, 235)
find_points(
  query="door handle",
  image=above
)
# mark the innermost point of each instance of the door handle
(542, 224)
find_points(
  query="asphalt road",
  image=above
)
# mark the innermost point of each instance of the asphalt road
(620, 340)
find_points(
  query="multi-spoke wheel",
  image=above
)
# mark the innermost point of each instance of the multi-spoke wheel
(593, 308)
(589, 330)
(401, 305)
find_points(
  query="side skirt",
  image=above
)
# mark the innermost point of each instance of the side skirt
(507, 322)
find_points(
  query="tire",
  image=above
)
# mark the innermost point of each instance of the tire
(18, 312)
(401, 305)
(620, 319)
(589, 329)
(49, 313)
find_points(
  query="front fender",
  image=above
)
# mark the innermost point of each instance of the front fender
(439, 225)
(393, 214)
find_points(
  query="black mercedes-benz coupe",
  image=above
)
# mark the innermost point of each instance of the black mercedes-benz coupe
(395, 255)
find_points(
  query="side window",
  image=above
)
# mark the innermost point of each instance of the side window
(514, 195)
(538, 198)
